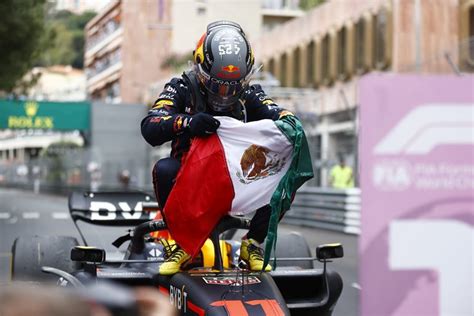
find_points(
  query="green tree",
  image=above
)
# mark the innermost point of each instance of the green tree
(57, 41)
(21, 30)
(309, 4)
(64, 39)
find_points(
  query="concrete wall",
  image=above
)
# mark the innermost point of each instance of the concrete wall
(117, 143)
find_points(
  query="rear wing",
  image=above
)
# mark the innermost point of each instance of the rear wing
(111, 208)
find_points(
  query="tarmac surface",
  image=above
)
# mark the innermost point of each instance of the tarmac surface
(24, 213)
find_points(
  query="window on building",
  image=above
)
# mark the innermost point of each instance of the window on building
(201, 10)
(310, 65)
(341, 53)
(296, 67)
(283, 74)
(360, 47)
(380, 33)
(114, 90)
(466, 36)
(325, 59)
(471, 35)
(271, 67)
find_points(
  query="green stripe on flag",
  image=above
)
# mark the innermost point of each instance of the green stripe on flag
(300, 171)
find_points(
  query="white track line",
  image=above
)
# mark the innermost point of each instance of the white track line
(4, 215)
(61, 215)
(31, 215)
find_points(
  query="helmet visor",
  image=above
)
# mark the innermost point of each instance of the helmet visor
(225, 89)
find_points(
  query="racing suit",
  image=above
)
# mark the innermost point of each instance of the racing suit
(166, 121)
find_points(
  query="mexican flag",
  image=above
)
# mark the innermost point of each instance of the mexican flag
(241, 168)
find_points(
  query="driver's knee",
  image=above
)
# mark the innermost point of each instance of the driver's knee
(164, 175)
(166, 168)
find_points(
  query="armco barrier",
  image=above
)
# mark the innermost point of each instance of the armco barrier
(332, 209)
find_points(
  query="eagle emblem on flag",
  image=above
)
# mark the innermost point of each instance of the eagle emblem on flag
(258, 162)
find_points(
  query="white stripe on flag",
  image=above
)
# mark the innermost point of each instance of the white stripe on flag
(236, 138)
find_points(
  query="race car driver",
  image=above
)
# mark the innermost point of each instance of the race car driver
(217, 84)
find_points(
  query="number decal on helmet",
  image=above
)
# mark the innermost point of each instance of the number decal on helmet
(225, 49)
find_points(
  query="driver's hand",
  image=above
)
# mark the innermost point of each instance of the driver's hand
(202, 124)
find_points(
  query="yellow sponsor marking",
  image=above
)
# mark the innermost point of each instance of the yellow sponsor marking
(41, 122)
(162, 103)
(285, 113)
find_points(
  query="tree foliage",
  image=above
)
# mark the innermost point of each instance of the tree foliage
(21, 29)
(309, 4)
(32, 33)
(64, 39)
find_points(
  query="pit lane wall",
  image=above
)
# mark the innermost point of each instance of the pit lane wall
(417, 178)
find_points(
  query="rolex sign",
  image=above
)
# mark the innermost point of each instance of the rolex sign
(44, 115)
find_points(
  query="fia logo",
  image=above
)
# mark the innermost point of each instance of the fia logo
(392, 175)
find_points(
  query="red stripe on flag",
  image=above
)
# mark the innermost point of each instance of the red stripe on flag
(201, 196)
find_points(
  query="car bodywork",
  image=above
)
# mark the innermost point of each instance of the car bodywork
(214, 283)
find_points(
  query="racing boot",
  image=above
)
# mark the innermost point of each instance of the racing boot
(252, 254)
(176, 258)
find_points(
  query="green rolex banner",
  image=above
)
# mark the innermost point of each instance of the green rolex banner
(44, 115)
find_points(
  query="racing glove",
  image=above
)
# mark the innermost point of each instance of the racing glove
(202, 124)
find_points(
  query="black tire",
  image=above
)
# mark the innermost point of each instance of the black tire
(29, 254)
(293, 245)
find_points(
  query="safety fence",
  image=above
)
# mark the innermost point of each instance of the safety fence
(332, 209)
(337, 210)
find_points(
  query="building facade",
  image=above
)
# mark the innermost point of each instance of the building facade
(125, 46)
(190, 18)
(57, 83)
(129, 43)
(80, 6)
(336, 43)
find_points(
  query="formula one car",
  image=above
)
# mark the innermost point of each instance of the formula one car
(213, 283)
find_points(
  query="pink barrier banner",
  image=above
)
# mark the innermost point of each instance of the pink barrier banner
(417, 178)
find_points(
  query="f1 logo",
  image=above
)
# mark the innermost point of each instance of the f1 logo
(441, 245)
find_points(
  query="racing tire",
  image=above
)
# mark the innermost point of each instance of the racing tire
(29, 254)
(293, 245)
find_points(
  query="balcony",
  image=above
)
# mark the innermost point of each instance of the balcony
(102, 40)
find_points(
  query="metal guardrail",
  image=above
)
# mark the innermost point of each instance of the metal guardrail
(325, 208)
(331, 209)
